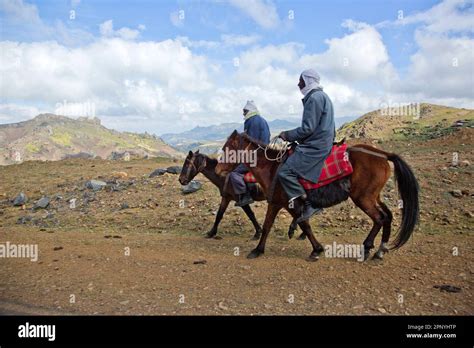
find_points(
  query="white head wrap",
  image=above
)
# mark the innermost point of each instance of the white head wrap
(252, 109)
(250, 106)
(311, 80)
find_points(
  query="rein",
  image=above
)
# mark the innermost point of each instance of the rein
(282, 148)
(276, 145)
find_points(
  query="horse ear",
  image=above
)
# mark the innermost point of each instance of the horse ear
(190, 153)
(197, 151)
(234, 132)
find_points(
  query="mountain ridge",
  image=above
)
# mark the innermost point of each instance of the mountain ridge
(54, 137)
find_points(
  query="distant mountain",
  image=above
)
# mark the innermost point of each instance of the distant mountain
(209, 139)
(420, 121)
(53, 137)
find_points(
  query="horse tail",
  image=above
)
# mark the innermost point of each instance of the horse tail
(408, 190)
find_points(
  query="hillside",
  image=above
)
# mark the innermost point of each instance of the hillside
(53, 137)
(423, 122)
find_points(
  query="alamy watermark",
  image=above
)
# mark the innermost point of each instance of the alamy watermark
(238, 156)
(75, 109)
(399, 109)
(29, 251)
(348, 251)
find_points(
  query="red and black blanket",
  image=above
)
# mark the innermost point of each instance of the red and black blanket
(336, 166)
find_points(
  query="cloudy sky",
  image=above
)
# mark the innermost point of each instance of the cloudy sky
(167, 66)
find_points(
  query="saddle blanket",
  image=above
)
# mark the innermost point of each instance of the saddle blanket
(336, 166)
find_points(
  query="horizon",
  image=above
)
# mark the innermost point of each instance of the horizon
(135, 64)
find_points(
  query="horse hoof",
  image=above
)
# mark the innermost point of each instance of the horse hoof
(366, 256)
(378, 255)
(254, 254)
(314, 256)
(302, 236)
(256, 236)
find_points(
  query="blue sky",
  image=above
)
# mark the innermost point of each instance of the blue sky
(162, 66)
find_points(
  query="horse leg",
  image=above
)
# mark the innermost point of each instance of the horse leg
(377, 216)
(292, 229)
(251, 216)
(270, 216)
(317, 247)
(220, 213)
(387, 227)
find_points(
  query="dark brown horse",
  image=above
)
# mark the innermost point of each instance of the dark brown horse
(196, 163)
(371, 172)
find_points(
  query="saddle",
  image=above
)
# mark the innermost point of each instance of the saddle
(336, 166)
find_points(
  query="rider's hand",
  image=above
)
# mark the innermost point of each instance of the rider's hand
(282, 136)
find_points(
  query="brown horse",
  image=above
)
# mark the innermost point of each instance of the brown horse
(371, 172)
(196, 163)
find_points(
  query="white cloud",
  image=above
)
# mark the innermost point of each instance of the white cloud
(10, 113)
(165, 86)
(442, 68)
(446, 17)
(120, 77)
(107, 30)
(263, 12)
(359, 55)
(19, 11)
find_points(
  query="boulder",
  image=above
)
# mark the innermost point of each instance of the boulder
(42, 203)
(157, 172)
(95, 185)
(20, 200)
(173, 170)
(193, 186)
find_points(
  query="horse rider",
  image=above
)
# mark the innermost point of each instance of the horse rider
(315, 138)
(256, 127)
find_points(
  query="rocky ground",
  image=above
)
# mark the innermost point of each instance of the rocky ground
(136, 246)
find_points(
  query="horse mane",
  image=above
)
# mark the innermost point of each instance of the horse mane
(258, 142)
(211, 162)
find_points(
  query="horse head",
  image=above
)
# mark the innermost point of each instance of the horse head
(193, 165)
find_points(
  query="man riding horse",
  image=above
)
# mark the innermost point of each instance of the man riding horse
(315, 138)
(256, 127)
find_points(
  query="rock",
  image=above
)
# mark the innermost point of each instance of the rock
(173, 170)
(20, 200)
(95, 185)
(42, 203)
(193, 186)
(200, 262)
(382, 310)
(124, 205)
(456, 193)
(222, 306)
(24, 219)
(447, 288)
(465, 163)
(58, 248)
(157, 172)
